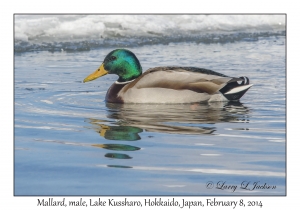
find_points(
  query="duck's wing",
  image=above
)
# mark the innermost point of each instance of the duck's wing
(187, 78)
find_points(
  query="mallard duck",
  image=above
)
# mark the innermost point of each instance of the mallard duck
(165, 84)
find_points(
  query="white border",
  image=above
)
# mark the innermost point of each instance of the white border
(8, 201)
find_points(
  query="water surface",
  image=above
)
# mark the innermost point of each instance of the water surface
(68, 141)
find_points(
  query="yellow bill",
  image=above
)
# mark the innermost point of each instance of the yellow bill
(98, 73)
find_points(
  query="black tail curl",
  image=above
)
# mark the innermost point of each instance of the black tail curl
(236, 83)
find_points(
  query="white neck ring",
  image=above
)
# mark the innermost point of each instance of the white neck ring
(122, 83)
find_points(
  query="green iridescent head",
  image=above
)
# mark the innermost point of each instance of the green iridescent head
(121, 62)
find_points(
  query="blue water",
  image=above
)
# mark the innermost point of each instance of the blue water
(68, 141)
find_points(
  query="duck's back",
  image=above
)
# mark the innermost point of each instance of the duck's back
(178, 85)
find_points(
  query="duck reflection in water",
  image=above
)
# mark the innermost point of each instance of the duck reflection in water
(133, 119)
(130, 120)
(119, 133)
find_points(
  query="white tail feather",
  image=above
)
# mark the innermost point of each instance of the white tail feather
(238, 89)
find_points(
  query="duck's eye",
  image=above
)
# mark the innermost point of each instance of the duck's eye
(110, 59)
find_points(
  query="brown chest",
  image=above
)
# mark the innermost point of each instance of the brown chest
(112, 93)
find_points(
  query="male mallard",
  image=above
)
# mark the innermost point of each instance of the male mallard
(165, 84)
